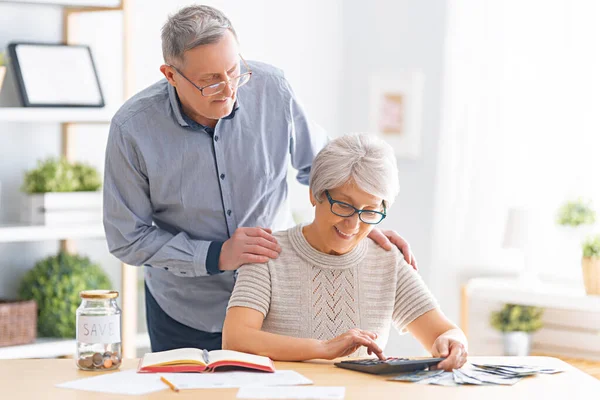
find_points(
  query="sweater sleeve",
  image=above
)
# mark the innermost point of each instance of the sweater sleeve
(413, 298)
(252, 288)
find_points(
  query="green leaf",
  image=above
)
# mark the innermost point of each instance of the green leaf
(58, 175)
(514, 317)
(54, 283)
(575, 213)
(591, 247)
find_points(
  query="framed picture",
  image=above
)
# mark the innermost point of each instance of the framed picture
(72, 3)
(395, 110)
(55, 75)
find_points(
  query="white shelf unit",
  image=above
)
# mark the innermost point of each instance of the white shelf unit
(540, 294)
(34, 233)
(52, 348)
(58, 114)
(571, 319)
(67, 117)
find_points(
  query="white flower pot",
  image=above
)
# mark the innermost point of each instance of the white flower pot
(62, 208)
(517, 343)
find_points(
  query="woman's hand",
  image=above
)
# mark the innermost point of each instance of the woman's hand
(347, 343)
(450, 347)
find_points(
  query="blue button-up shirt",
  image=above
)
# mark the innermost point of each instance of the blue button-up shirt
(173, 188)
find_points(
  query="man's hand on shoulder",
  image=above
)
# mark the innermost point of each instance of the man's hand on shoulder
(248, 245)
(387, 239)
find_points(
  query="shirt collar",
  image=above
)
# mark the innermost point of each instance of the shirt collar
(183, 119)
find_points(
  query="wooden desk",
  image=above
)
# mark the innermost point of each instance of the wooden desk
(35, 379)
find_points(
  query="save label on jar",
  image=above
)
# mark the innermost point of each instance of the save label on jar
(99, 329)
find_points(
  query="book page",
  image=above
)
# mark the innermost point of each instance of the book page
(174, 357)
(231, 355)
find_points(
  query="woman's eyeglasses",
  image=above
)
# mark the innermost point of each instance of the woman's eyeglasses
(345, 210)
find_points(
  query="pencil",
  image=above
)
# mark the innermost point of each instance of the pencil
(169, 384)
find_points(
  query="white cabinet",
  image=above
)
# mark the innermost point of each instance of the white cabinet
(571, 318)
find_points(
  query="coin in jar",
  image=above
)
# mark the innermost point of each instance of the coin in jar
(86, 362)
(97, 359)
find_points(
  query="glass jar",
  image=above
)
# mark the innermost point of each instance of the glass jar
(98, 331)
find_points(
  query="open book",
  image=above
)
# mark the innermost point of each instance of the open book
(197, 360)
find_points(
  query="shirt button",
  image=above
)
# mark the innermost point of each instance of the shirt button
(216, 138)
(228, 212)
(222, 176)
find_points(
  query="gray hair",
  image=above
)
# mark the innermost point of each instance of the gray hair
(191, 27)
(364, 159)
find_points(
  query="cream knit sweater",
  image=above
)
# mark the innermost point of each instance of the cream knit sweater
(308, 294)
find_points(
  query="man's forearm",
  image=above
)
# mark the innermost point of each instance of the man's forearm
(178, 254)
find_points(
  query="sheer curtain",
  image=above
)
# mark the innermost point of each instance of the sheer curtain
(521, 127)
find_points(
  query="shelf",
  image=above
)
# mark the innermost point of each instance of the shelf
(534, 294)
(70, 3)
(52, 348)
(59, 115)
(34, 233)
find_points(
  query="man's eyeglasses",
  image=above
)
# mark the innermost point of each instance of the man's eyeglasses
(216, 88)
(345, 210)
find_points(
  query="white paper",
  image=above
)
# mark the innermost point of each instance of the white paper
(296, 392)
(125, 382)
(235, 379)
(99, 328)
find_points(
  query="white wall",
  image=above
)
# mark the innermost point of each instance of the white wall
(385, 37)
(302, 38)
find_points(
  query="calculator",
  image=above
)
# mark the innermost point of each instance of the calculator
(391, 365)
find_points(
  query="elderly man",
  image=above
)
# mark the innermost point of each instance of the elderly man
(195, 176)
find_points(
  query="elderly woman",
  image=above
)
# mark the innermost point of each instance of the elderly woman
(332, 292)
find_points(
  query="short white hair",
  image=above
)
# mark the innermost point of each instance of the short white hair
(191, 27)
(364, 159)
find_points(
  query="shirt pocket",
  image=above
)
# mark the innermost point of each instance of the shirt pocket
(199, 186)
(165, 180)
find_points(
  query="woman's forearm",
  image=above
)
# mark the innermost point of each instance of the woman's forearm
(433, 324)
(276, 347)
(456, 334)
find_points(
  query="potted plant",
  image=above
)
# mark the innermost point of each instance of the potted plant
(62, 192)
(54, 283)
(517, 323)
(576, 219)
(576, 213)
(2, 68)
(591, 265)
